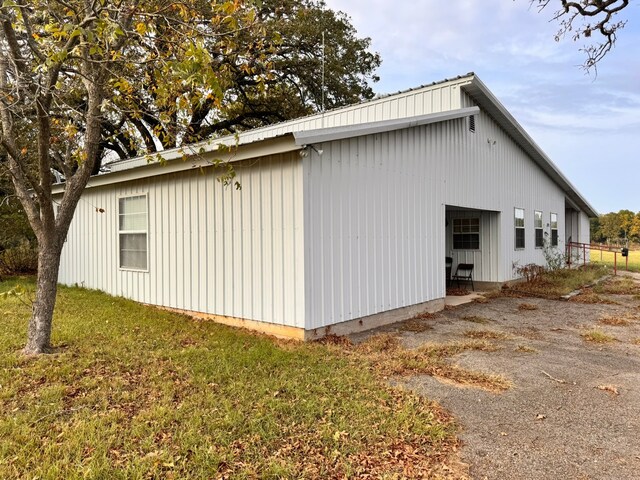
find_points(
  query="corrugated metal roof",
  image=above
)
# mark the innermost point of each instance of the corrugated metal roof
(309, 122)
(314, 127)
(350, 131)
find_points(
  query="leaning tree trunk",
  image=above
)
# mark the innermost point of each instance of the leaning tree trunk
(39, 331)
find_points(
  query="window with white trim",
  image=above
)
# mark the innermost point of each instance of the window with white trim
(133, 232)
(466, 234)
(518, 221)
(554, 229)
(537, 224)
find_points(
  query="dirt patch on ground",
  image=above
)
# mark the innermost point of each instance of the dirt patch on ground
(573, 410)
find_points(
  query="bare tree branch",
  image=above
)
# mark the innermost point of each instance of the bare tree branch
(581, 20)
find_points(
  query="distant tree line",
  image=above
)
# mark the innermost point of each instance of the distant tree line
(616, 227)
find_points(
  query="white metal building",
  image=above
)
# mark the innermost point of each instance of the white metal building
(343, 221)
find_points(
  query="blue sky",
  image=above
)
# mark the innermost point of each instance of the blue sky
(589, 125)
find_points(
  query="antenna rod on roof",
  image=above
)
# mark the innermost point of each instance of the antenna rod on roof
(322, 104)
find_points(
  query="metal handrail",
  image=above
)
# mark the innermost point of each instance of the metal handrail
(594, 246)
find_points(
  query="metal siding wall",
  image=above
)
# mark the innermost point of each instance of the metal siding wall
(585, 228)
(211, 249)
(372, 228)
(385, 195)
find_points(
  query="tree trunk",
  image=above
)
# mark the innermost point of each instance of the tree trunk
(39, 331)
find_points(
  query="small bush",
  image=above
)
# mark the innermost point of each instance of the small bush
(555, 257)
(530, 272)
(19, 260)
(596, 336)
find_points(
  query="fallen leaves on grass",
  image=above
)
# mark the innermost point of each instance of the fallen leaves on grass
(510, 291)
(588, 296)
(457, 292)
(414, 456)
(385, 354)
(333, 339)
(415, 326)
(192, 399)
(619, 286)
(609, 388)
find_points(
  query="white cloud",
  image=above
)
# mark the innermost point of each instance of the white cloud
(578, 119)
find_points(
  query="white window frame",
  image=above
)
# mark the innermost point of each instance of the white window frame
(516, 227)
(133, 232)
(454, 233)
(538, 225)
(551, 222)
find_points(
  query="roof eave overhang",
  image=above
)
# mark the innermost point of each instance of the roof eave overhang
(350, 131)
(489, 103)
(190, 158)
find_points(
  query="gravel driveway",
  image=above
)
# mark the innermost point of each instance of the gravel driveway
(574, 409)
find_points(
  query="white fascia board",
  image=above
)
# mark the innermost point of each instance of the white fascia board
(339, 133)
(173, 164)
(494, 107)
(222, 145)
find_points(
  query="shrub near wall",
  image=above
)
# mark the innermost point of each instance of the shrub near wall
(19, 260)
(18, 253)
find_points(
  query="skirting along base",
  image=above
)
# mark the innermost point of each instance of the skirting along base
(375, 320)
(279, 331)
(344, 328)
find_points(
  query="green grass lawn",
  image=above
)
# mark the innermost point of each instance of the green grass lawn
(607, 259)
(137, 393)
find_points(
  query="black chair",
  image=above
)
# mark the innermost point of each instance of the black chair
(464, 272)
